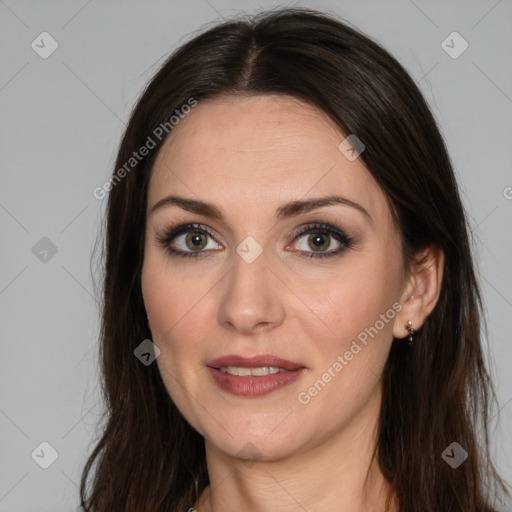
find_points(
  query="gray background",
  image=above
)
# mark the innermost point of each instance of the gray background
(62, 118)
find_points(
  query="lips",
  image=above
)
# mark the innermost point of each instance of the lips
(267, 374)
(254, 362)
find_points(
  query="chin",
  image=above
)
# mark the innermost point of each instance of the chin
(260, 439)
(256, 449)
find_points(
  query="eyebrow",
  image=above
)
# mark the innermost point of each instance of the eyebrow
(284, 212)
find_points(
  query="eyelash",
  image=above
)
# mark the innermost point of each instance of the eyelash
(318, 229)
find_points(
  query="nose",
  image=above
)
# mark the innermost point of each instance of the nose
(251, 298)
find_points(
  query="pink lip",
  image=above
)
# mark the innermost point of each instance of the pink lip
(253, 386)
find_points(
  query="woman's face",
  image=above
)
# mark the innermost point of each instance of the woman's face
(265, 273)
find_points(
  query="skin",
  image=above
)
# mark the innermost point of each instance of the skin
(249, 156)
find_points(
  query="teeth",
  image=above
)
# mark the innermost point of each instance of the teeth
(260, 371)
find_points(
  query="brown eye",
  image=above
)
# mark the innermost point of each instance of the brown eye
(189, 240)
(196, 241)
(318, 242)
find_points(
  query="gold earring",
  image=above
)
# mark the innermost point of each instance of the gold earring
(410, 330)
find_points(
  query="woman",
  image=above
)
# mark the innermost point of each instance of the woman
(291, 316)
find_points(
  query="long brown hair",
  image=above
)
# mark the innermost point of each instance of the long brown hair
(147, 457)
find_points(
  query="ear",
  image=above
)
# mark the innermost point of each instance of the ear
(421, 290)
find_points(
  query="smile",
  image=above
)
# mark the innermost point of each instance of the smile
(259, 371)
(265, 380)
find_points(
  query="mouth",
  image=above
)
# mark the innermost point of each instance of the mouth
(259, 371)
(257, 363)
(254, 376)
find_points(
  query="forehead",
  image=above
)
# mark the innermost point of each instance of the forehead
(263, 149)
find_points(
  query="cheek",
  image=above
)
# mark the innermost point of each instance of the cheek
(170, 297)
(179, 308)
(359, 312)
(356, 299)
(171, 302)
